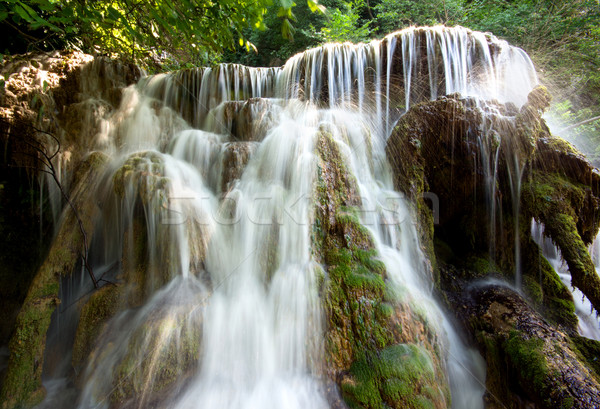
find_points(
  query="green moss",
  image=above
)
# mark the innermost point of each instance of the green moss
(563, 230)
(527, 355)
(22, 385)
(399, 376)
(481, 266)
(547, 194)
(385, 310)
(354, 297)
(539, 98)
(567, 403)
(588, 350)
(559, 144)
(363, 314)
(533, 289)
(545, 288)
(100, 307)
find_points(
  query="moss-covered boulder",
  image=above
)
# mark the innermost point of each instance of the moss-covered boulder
(569, 211)
(142, 174)
(141, 356)
(545, 290)
(95, 313)
(160, 353)
(366, 322)
(451, 149)
(399, 376)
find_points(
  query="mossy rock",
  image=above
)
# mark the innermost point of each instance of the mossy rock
(545, 288)
(589, 351)
(161, 352)
(527, 354)
(399, 376)
(144, 173)
(565, 209)
(438, 146)
(354, 278)
(364, 314)
(95, 313)
(532, 359)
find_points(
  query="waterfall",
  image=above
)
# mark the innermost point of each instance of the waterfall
(210, 190)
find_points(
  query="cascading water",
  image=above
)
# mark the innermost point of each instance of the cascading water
(213, 169)
(493, 148)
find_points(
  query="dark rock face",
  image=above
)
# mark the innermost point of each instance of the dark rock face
(467, 154)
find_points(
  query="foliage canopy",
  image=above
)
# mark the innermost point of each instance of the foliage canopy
(194, 31)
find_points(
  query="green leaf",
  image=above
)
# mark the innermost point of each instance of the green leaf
(20, 10)
(287, 4)
(287, 30)
(315, 7)
(285, 13)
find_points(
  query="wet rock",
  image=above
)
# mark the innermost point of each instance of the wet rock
(94, 315)
(142, 175)
(246, 121)
(235, 158)
(161, 352)
(255, 117)
(150, 237)
(142, 355)
(528, 356)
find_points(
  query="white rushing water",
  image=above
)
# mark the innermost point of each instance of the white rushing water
(226, 184)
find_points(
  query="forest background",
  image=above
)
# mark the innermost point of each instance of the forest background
(562, 38)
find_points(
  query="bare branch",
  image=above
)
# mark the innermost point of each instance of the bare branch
(46, 160)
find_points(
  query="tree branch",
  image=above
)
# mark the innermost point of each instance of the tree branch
(578, 124)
